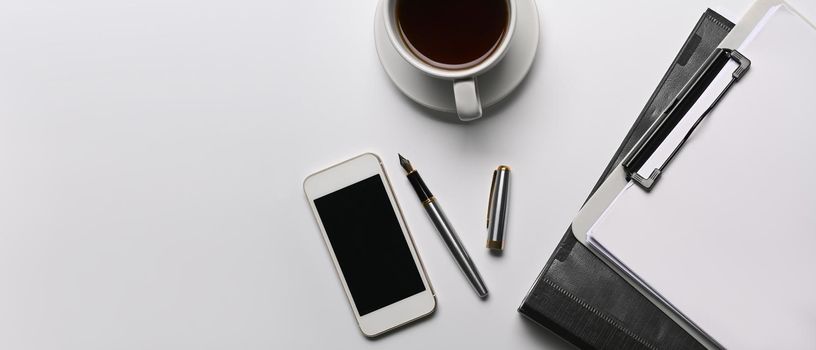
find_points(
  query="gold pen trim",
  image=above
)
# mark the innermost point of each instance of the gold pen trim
(495, 245)
(429, 200)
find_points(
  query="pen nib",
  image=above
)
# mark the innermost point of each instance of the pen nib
(405, 164)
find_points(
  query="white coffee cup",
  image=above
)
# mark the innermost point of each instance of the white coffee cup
(465, 90)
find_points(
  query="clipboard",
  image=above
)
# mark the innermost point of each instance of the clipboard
(577, 295)
(653, 155)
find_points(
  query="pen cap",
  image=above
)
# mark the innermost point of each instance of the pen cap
(497, 207)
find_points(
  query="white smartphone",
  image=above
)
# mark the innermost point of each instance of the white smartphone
(370, 245)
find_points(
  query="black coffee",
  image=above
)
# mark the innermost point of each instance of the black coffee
(452, 34)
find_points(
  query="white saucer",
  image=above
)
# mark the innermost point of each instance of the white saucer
(494, 85)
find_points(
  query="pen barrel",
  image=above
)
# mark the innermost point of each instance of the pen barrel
(419, 186)
(455, 247)
(497, 208)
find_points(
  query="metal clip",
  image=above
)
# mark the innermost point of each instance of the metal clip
(664, 124)
(490, 197)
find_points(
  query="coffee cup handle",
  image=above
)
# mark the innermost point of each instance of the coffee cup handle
(468, 105)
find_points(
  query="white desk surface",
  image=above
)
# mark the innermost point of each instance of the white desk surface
(152, 155)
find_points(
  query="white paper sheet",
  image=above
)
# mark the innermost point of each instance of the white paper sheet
(728, 235)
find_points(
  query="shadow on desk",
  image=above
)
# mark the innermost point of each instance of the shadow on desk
(546, 338)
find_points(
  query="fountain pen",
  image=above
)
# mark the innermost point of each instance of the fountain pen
(445, 229)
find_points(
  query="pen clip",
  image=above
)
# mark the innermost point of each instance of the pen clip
(490, 197)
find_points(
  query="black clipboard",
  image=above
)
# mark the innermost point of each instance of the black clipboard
(577, 295)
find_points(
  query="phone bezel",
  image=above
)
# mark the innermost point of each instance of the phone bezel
(340, 176)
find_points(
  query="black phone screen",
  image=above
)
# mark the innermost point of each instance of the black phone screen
(369, 244)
